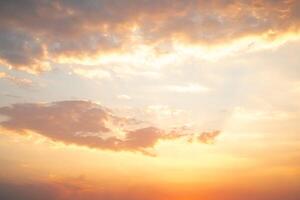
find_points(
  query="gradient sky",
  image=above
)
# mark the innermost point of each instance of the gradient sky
(150, 100)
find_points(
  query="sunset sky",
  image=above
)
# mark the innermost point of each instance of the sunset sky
(150, 100)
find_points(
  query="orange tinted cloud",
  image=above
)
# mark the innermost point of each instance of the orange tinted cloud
(35, 33)
(84, 123)
(208, 137)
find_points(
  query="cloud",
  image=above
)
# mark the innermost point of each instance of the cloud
(208, 137)
(21, 50)
(92, 73)
(16, 80)
(28, 191)
(66, 190)
(35, 33)
(78, 188)
(189, 88)
(124, 96)
(85, 123)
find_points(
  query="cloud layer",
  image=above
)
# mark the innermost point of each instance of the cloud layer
(73, 188)
(35, 33)
(85, 123)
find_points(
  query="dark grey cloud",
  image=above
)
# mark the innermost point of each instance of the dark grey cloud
(28, 191)
(72, 189)
(69, 189)
(22, 50)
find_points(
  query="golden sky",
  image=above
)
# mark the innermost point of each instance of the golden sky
(150, 100)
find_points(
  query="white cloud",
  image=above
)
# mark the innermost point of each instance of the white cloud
(92, 73)
(189, 88)
(124, 96)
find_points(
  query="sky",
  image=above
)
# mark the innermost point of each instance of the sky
(149, 99)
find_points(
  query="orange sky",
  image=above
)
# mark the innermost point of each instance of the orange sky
(158, 100)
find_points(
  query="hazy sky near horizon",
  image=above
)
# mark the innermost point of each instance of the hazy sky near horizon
(158, 100)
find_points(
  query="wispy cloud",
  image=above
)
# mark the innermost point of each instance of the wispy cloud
(18, 81)
(124, 96)
(188, 88)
